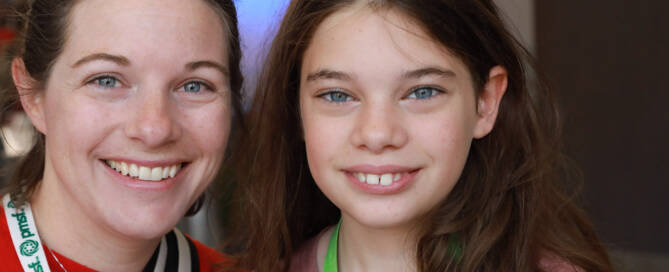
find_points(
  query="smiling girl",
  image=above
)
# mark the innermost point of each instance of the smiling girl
(133, 102)
(402, 136)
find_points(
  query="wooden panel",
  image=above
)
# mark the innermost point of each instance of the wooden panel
(608, 60)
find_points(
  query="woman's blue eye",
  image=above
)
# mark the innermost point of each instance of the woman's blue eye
(423, 93)
(107, 81)
(193, 87)
(336, 96)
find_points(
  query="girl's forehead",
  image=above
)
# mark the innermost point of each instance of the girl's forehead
(365, 33)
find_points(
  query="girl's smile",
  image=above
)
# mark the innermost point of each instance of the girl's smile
(388, 116)
(383, 179)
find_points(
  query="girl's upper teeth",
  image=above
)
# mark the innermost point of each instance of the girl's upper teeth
(386, 179)
(144, 172)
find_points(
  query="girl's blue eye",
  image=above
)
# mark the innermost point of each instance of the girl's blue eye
(336, 96)
(192, 87)
(107, 81)
(423, 93)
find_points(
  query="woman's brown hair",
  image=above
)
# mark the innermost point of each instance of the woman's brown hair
(40, 42)
(510, 207)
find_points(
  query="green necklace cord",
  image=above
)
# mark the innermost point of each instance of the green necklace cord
(330, 264)
(331, 258)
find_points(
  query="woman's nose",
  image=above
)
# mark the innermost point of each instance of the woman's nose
(379, 127)
(152, 120)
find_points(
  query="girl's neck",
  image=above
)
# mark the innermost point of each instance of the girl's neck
(66, 229)
(363, 248)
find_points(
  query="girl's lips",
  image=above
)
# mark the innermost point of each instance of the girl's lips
(379, 169)
(383, 182)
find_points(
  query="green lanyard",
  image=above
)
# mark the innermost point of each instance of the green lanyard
(331, 258)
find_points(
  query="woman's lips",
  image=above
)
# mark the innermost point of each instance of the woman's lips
(145, 171)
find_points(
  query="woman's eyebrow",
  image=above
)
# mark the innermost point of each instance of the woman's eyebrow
(428, 71)
(120, 60)
(211, 64)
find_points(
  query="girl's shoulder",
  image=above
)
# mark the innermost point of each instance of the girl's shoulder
(310, 254)
(553, 263)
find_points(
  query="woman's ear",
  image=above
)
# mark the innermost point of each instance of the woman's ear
(488, 101)
(31, 98)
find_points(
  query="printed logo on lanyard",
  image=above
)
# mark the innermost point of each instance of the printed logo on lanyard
(24, 236)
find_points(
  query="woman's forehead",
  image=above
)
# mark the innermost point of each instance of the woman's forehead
(132, 26)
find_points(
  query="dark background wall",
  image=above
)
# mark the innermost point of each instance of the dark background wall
(609, 63)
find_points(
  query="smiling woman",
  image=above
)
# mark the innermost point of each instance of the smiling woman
(133, 102)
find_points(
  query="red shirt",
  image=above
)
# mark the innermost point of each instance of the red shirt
(210, 259)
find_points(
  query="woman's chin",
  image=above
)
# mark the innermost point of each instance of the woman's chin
(142, 225)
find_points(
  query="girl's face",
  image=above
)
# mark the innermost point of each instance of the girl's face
(141, 86)
(388, 116)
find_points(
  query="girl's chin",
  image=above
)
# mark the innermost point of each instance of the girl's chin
(382, 220)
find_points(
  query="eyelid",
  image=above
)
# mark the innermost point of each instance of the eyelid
(93, 78)
(321, 94)
(438, 89)
(208, 86)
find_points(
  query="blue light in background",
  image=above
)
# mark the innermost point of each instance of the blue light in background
(258, 22)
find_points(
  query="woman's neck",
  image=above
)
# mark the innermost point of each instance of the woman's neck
(370, 249)
(66, 229)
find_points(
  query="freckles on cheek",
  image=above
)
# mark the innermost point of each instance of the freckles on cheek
(210, 128)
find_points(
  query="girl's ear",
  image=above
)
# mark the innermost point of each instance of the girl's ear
(488, 101)
(31, 98)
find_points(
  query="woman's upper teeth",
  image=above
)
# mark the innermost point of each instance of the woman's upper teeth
(144, 172)
(385, 179)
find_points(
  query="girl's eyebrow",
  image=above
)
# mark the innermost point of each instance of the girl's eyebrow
(428, 71)
(328, 74)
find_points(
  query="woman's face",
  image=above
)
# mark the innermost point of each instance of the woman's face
(388, 116)
(141, 86)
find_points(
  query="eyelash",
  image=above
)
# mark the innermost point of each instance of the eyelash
(208, 87)
(95, 80)
(434, 92)
(327, 96)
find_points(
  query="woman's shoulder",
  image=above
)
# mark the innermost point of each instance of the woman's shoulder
(209, 258)
(7, 251)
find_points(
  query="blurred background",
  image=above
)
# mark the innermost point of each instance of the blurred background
(606, 60)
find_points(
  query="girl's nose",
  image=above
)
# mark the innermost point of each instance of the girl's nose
(379, 128)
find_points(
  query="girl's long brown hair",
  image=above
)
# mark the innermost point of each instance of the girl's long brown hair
(510, 208)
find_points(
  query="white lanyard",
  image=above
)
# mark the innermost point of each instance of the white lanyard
(24, 234)
(173, 246)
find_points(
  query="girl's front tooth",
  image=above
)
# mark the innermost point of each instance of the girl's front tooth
(156, 174)
(372, 179)
(386, 179)
(144, 173)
